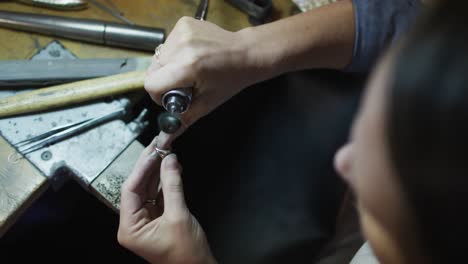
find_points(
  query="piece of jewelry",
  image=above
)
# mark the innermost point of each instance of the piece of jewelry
(151, 201)
(157, 53)
(162, 152)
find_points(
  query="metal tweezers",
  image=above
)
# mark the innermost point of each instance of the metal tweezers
(60, 133)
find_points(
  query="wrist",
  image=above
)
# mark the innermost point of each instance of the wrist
(261, 61)
(294, 43)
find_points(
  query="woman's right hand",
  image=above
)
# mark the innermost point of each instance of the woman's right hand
(218, 63)
(199, 54)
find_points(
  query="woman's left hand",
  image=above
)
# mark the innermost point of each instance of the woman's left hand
(165, 232)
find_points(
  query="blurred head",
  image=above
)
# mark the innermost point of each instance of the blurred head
(407, 160)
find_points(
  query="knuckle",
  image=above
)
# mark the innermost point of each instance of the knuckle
(193, 64)
(183, 24)
(184, 20)
(187, 40)
(148, 84)
(150, 89)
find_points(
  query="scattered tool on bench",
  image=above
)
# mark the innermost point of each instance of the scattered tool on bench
(112, 11)
(88, 30)
(34, 73)
(258, 10)
(60, 133)
(57, 4)
(71, 93)
(46, 72)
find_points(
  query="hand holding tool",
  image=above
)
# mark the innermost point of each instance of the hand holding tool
(177, 101)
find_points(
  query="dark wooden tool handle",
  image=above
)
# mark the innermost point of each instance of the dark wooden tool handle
(20, 184)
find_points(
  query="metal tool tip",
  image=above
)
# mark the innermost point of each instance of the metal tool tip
(169, 123)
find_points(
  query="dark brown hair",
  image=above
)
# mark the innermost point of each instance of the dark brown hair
(428, 130)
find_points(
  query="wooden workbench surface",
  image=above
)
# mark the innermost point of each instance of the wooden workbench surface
(154, 13)
(22, 182)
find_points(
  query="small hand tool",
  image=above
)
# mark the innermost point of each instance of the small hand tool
(258, 10)
(71, 93)
(50, 137)
(57, 4)
(51, 132)
(177, 101)
(95, 31)
(60, 133)
(44, 72)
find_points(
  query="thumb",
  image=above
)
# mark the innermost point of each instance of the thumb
(172, 187)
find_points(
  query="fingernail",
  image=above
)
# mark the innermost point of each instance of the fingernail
(171, 163)
(153, 155)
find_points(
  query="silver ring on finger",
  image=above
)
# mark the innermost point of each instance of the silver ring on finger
(162, 152)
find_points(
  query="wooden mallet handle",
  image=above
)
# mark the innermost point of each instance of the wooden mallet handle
(71, 93)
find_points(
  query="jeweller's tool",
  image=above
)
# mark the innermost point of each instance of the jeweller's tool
(44, 72)
(59, 134)
(51, 132)
(177, 101)
(258, 10)
(112, 11)
(202, 10)
(95, 31)
(71, 93)
(57, 4)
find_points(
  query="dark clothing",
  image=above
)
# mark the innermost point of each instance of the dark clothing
(379, 23)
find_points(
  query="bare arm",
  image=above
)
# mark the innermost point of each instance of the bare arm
(320, 38)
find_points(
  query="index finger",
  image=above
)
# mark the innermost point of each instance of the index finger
(169, 76)
(134, 189)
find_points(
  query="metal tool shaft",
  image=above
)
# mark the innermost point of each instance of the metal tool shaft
(60, 5)
(61, 135)
(34, 73)
(95, 31)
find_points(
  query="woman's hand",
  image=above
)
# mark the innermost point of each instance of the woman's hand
(218, 64)
(165, 232)
(201, 55)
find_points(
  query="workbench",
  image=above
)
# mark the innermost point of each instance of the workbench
(22, 183)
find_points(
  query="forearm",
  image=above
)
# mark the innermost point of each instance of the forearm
(321, 38)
